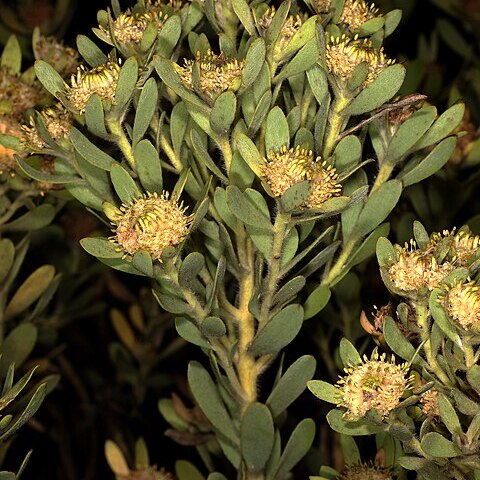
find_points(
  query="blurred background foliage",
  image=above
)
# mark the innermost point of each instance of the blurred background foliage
(105, 350)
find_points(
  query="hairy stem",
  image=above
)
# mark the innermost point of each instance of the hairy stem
(336, 270)
(123, 143)
(335, 124)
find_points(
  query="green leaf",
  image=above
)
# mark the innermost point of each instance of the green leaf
(348, 353)
(277, 134)
(449, 415)
(35, 219)
(89, 151)
(441, 318)
(350, 451)
(397, 341)
(7, 255)
(142, 261)
(244, 14)
(378, 206)
(386, 254)
(189, 332)
(438, 446)
(147, 105)
(325, 391)
(337, 422)
(289, 290)
(317, 301)
(213, 327)
(30, 290)
(371, 26)
(100, 247)
(445, 124)
(149, 167)
(208, 399)
(223, 112)
(250, 153)
(380, 91)
(172, 304)
(297, 447)
(433, 162)
(168, 36)
(12, 55)
(203, 156)
(191, 266)
(392, 20)
(49, 78)
(305, 33)
(90, 51)
(295, 196)
(306, 58)
(27, 414)
(254, 61)
(127, 80)
(245, 210)
(279, 331)
(95, 116)
(348, 153)
(17, 346)
(186, 471)
(13, 392)
(410, 132)
(256, 436)
(124, 184)
(291, 385)
(179, 119)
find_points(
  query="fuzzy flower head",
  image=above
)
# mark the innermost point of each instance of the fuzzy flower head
(8, 126)
(356, 13)
(462, 304)
(65, 60)
(129, 27)
(367, 472)
(415, 270)
(217, 73)
(149, 473)
(58, 123)
(429, 403)
(17, 95)
(288, 167)
(321, 6)
(290, 27)
(343, 55)
(374, 384)
(151, 223)
(101, 80)
(463, 245)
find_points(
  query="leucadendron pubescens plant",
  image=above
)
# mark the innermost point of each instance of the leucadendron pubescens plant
(235, 171)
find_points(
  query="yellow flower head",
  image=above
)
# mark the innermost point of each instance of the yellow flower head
(64, 59)
(429, 403)
(149, 473)
(58, 123)
(357, 12)
(324, 184)
(217, 73)
(321, 6)
(367, 472)
(101, 80)
(375, 384)
(290, 27)
(462, 303)
(151, 223)
(286, 168)
(415, 269)
(129, 27)
(16, 95)
(343, 55)
(8, 126)
(464, 245)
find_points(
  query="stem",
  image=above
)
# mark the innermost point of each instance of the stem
(247, 369)
(470, 359)
(226, 149)
(174, 160)
(423, 320)
(335, 125)
(117, 131)
(384, 173)
(336, 270)
(279, 233)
